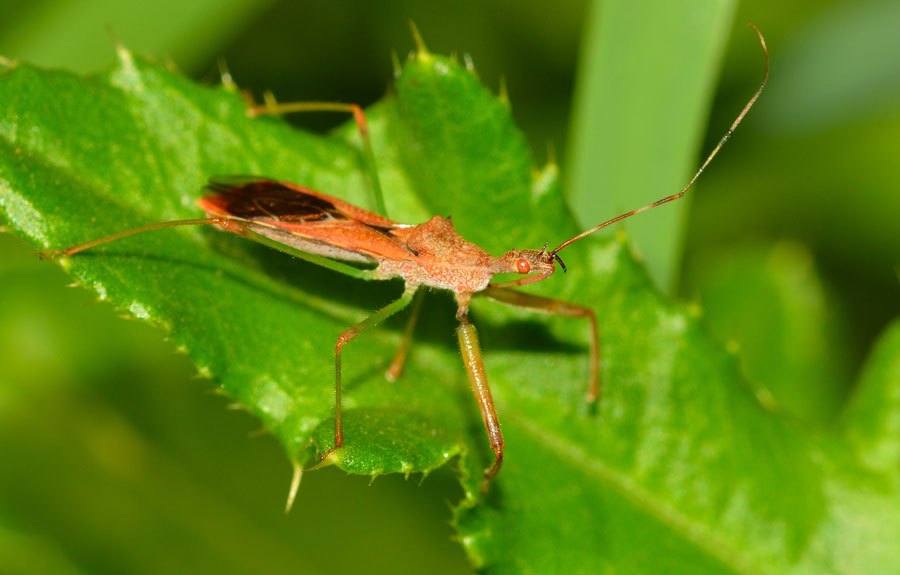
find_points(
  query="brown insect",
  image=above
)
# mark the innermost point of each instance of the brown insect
(330, 232)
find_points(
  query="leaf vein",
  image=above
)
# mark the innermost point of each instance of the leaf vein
(693, 531)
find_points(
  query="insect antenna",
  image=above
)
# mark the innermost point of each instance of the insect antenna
(690, 184)
(558, 259)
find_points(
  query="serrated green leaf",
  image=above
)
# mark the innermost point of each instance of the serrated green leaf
(678, 468)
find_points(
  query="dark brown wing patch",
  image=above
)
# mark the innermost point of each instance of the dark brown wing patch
(254, 198)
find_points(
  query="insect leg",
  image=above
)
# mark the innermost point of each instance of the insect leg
(556, 307)
(239, 227)
(358, 115)
(471, 353)
(345, 338)
(72, 250)
(396, 367)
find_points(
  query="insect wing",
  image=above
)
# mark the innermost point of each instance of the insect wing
(305, 219)
(252, 197)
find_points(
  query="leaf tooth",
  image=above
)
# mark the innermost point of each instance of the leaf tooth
(467, 541)
(295, 486)
(470, 64)
(503, 94)
(395, 64)
(126, 58)
(422, 52)
(545, 180)
(331, 459)
(101, 291)
(225, 76)
(139, 310)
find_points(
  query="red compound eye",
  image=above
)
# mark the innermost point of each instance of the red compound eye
(523, 266)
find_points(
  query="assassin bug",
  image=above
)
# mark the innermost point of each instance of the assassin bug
(330, 232)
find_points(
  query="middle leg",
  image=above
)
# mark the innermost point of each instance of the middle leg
(345, 338)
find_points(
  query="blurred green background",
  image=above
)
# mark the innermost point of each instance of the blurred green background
(114, 459)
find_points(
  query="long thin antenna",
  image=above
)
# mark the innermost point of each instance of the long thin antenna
(712, 155)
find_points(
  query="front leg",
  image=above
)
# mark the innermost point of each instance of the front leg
(471, 353)
(343, 340)
(556, 307)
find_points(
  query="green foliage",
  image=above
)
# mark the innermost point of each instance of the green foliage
(77, 33)
(769, 303)
(640, 109)
(872, 420)
(114, 452)
(816, 164)
(678, 468)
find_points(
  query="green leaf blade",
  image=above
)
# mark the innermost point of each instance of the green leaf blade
(677, 465)
(670, 439)
(141, 168)
(645, 79)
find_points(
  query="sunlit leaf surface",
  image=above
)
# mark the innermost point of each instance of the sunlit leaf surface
(678, 468)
